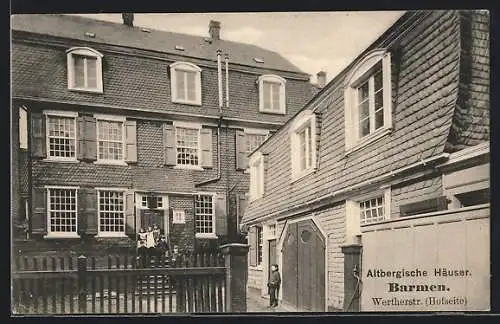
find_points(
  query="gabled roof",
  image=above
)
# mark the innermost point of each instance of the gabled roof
(75, 27)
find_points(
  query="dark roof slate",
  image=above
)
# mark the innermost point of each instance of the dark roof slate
(75, 27)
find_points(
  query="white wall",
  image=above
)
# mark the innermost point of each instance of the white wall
(454, 239)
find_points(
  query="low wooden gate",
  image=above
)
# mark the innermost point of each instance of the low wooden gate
(193, 283)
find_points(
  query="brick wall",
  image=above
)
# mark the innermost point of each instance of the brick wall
(182, 235)
(142, 83)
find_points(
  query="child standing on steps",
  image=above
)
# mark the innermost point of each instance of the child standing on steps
(274, 286)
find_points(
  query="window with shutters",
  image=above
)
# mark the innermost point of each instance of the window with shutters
(254, 138)
(303, 145)
(204, 213)
(61, 135)
(62, 211)
(272, 94)
(84, 69)
(188, 145)
(185, 83)
(256, 176)
(111, 211)
(110, 139)
(368, 115)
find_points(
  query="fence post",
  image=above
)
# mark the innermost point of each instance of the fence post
(82, 280)
(352, 277)
(235, 258)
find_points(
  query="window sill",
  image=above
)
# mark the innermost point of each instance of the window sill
(110, 162)
(111, 235)
(206, 236)
(98, 91)
(257, 267)
(178, 223)
(188, 167)
(50, 159)
(61, 236)
(272, 112)
(302, 174)
(191, 103)
(369, 139)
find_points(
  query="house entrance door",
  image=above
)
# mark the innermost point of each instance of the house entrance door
(304, 266)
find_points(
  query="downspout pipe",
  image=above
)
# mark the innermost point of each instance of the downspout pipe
(219, 123)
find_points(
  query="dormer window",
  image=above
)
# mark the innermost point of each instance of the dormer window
(368, 108)
(84, 69)
(185, 83)
(272, 94)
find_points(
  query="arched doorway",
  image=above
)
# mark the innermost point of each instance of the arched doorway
(303, 264)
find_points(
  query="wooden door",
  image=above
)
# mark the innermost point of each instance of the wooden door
(150, 217)
(311, 267)
(290, 259)
(272, 256)
(304, 266)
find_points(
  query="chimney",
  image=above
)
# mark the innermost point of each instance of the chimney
(214, 29)
(321, 79)
(128, 19)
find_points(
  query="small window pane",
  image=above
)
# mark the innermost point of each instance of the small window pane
(364, 127)
(91, 72)
(180, 75)
(267, 92)
(379, 99)
(79, 71)
(276, 96)
(379, 118)
(191, 86)
(363, 92)
(364, 109)
(378, 80)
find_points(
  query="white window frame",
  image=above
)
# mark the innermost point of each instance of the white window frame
(256, 167)
(139, 196)
(178, 216)
(273, 79)
(213, 233)
(111, 234)
(23, 128)
(359, 74)
(51, 234)
(305, 119)
(88, 52)
(111, 118)
(188, 67)
(353, 217)
(260, 245)
(198, 127)
(56, 114)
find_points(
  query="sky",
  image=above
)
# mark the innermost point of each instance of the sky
(313, 41)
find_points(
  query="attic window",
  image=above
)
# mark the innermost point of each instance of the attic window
(258, 60)
(179, 47)
(145, 30)
(91, 35)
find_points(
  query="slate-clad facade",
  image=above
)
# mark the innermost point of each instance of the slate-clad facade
(114, 145)
(374, 144)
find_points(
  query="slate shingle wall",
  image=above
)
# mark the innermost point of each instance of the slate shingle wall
(425, 86)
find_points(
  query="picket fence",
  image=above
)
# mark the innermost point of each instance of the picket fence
(193, 282)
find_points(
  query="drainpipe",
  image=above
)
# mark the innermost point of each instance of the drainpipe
(219, 123)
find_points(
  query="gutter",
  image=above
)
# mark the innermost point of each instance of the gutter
(338, 195)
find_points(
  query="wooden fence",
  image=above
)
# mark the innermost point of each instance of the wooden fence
(114, 285)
